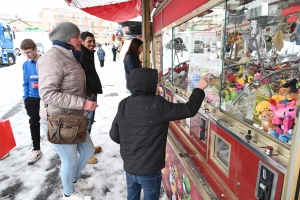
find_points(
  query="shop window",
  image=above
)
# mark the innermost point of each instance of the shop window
(220, 152)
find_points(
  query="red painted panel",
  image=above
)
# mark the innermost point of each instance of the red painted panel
(176, 9)
(200, 164)
(247, 170)
(230, 180)
(178, 184)
(157, 26)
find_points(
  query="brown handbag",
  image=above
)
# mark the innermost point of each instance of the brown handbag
(66, 129)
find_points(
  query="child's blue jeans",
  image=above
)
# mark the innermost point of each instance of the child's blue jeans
(150, 184)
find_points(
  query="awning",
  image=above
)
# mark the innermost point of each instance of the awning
(113, 10)
(110, 10)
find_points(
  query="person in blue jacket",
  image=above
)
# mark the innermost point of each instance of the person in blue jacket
(101, 55)
(31, 96)
(132, 57)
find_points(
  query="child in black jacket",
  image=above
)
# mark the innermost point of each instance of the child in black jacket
(141, 129)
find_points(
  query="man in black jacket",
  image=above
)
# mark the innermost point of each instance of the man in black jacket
(141, 128)
(93, 84)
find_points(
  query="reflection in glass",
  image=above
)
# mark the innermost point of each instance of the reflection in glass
(222, 151)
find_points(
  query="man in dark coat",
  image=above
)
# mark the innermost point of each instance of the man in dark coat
(114, 51)
(141, 128)
(93, 84)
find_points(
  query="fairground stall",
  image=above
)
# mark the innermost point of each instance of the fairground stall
(243, 143)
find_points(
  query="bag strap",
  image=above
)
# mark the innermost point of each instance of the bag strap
(46, 107)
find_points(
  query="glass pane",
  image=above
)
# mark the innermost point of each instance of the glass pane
(167, 55)
(6, 32)
(261, 70)
(196, 50)
(223, 151)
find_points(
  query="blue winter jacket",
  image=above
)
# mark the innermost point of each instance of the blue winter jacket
(30, 80)
(130, 63)
(101, 54)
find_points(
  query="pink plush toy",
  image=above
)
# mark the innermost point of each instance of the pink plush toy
(284, 116)
(257, 76)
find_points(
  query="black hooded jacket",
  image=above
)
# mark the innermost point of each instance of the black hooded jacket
(92, 78)
(142, 120)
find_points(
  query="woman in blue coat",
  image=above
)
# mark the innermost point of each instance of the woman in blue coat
(131, 58)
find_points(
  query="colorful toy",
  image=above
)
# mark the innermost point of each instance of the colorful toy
(266, 120)
(257, 76)
(284, 116)
(261, 107)
(195, 79)
(229, 95)
(275, 99)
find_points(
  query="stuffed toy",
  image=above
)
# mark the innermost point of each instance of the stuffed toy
(261, 107)
(284, 116)
(266, 120)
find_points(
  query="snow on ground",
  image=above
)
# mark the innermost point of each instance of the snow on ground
(41, 181)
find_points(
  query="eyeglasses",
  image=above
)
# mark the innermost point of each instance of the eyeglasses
(28, 52)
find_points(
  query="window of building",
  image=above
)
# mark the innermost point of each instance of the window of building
(61, 15)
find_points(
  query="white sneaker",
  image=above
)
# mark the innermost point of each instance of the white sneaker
(84, 184)
(76, 196)
(34, 156)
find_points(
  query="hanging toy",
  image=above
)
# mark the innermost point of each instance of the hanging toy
(278, 37)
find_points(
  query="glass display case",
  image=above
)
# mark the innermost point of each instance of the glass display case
(253, 50)
(261, 65)
(193, 49)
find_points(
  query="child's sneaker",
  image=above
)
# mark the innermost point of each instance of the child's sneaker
(76, 196)
(35, 155)
(83, 184)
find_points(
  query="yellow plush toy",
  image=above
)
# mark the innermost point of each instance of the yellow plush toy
(261, 107)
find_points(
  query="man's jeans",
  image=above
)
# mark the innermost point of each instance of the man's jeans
(90, 114)
(73, 159)
(150, 184)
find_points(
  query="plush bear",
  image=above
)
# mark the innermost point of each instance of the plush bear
(266, 119)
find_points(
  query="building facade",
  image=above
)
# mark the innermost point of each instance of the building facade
(86, 22)
(19, 24)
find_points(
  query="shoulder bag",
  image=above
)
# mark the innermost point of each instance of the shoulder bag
(66, 129)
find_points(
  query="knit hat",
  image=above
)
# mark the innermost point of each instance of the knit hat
(63, 31)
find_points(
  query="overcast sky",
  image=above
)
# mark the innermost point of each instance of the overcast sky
(29, 8)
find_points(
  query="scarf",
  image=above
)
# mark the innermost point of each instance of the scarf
(76, 54)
